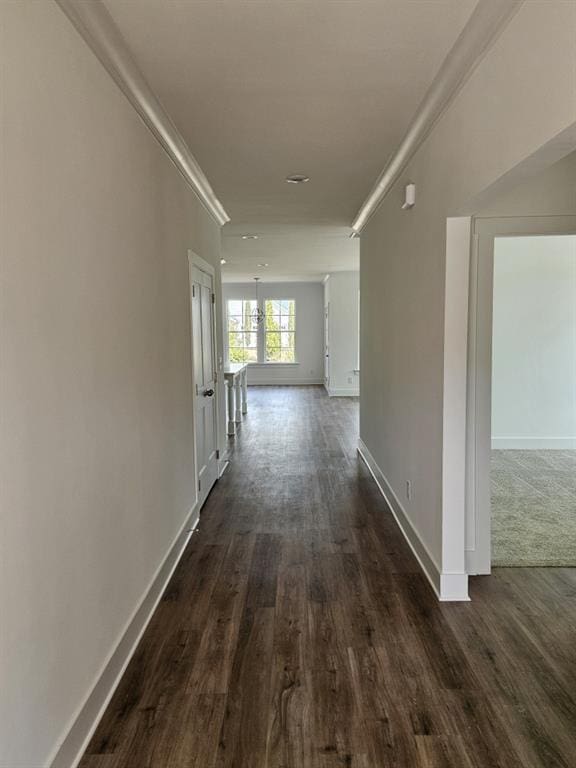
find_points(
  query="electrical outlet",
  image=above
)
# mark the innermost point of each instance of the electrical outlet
(408, 489)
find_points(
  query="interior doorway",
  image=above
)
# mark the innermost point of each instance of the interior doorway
(533, 450)
(522, 407)
(204, 375)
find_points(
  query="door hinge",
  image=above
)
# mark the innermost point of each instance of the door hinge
(213, 298)
(217, 453)
(199, 485)
(193, 290)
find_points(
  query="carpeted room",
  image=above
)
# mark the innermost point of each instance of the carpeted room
(533, 461)
(533, 507)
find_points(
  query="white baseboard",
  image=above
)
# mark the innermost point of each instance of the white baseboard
(453, 588)
(343, 391)
(223, 462)
(84, 723)
(533, 443)
(447, 586)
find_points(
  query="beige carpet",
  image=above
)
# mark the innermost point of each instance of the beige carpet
(533, 507)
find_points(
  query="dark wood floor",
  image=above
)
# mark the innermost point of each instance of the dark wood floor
(299, 632)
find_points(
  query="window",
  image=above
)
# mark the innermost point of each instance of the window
(242, 331)
(271, 341)
(279, 330)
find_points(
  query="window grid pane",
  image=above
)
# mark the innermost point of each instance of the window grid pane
(279, 330)
(242, 331)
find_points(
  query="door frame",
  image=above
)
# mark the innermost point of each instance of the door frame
(197, 261)
(479, 388)
(327, 346)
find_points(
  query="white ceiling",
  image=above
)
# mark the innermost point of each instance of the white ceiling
(264, 88)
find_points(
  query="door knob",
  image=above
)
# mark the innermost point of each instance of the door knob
(208, 392)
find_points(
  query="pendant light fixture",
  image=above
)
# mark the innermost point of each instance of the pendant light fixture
(258, 313)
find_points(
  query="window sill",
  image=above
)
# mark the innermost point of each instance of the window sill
(273, 363)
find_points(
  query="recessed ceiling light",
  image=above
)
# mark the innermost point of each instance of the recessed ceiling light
(249, 237)
(297, 178)
(222, 261)
(262, 265)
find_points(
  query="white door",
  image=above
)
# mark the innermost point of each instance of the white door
(204, 367)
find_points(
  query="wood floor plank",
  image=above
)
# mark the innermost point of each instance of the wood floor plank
(213, 662)
(197, 741)
(242, 741)
(288, 741)
(442, 752)
(264, 571)
(298, 630)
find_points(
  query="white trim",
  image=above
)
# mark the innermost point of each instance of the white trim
(476, 539)
(272, 364)
(454, 588)
(447, 586)
(458, 234)
(202, 264)
(533, 443)
(484, 25)
(343, 391)
(99, 31)
(78, 733)
(223, 461)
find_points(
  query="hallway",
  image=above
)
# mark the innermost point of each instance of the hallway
(314, 191)
(299, 632)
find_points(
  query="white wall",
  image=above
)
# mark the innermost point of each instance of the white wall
(96, 445)
(549, 191)
(309, 331)
(341, 291)
(534, 343)
(506, 111)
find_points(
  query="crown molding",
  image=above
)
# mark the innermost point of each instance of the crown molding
(484, 25)
(99, 31)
